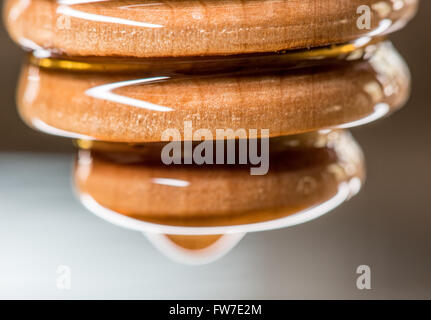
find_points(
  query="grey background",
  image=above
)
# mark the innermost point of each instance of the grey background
(387, 226)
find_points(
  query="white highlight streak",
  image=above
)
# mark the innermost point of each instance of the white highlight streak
(171, 182)
(294, 219)
(380, 110)
(104, 92)
(67, 11)
(42, 126)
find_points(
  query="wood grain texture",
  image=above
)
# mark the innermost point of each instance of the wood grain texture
(285, 102)
(195, 27)
(298, 178)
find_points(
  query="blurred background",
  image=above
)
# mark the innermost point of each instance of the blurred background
(387, 226)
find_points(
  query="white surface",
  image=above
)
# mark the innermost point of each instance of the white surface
(43, 226)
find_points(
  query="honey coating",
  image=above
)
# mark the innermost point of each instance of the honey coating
(117, 75)
(140, 107)
(195, 27)
(212, 64)
(194, 242)
(136, 185)
(194, 249)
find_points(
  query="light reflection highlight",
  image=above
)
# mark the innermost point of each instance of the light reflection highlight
(104, 92)
(67, 11)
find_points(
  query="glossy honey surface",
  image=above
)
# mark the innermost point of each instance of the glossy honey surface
(137, 101)
(129, 185)
(149, 28)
